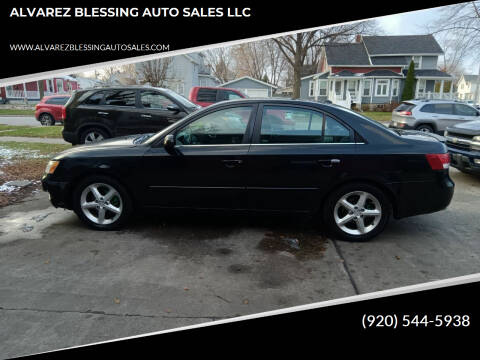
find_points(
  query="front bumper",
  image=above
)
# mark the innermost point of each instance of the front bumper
(58, 191)
(465, 160)
(70, 137)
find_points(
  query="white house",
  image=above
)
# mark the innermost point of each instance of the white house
(467, 88)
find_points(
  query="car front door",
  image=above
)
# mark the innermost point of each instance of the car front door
(465, 112)
(296, 154)
(157, 111)
(206, 167)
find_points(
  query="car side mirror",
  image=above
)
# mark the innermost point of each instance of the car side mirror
(174, 108)
(169, 142)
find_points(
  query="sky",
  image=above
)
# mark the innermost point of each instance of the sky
(415, 23)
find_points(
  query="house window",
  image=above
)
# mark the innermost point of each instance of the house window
(367, 85)
(382, 87)
(417, 61)
(322, 88)
(422, 83)
(395, 87)
(311, 87)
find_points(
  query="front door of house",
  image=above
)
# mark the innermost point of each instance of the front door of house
(339, 89)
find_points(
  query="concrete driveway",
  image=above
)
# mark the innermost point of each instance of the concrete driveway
(62, 284)
(19, 120)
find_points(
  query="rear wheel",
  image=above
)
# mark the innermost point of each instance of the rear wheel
(357, 212)
(102, 203)
(425, 128)
(47, 120)
(93, 135)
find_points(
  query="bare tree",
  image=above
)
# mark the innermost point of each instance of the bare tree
(155, 72)
(298, 47)
(221, 63)
(108, 72)
(130, 71)
(250, 59)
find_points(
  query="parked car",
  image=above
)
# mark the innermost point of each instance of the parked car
(205, 96)
(431, 115)
(97, 114)
(328, 161)
(463, 142)
(50, 109)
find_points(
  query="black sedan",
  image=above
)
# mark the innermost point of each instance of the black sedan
(260, 156)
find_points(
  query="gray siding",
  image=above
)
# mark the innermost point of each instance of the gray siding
(249, 84)
(304, 86)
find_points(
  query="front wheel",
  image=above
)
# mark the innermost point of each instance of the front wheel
(47, 120)
(102, 203)
(357, 212)
(94, 135)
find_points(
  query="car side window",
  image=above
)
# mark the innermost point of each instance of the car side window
(207, 95)
(95, 99)
(230, 95)
(446, 109)
(57, 101)
(296, 125)
(465, 110)
(428, 108)
(154, 100)
(120, 98)
(225, 126)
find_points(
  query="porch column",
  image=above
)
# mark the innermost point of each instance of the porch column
(451, 89)
(441, 88)
(416, 88)
(25, 91)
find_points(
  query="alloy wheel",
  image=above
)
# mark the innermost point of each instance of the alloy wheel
(101, 203)
(357, 213)
(93, 137)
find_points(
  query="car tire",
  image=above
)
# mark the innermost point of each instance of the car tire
(355, 201)
(47, 120)
(93, 135)
(102, 203)
(425, 128)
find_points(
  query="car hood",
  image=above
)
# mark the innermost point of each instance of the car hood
(124, 142)
(467, 128)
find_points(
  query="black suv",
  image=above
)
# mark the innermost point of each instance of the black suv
(93, 115)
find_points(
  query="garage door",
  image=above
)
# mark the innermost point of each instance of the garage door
(263, 93)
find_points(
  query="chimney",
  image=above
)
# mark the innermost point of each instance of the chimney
(358, 38)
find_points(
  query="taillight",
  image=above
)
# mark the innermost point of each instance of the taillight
(405, 113)
(64, 113)
(438, 161)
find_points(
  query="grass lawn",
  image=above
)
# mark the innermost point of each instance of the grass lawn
(6, 112)
(378, 115)
(40, 132)
(14, 149)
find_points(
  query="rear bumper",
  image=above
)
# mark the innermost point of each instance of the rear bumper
(465, 160)
(58, 191)
(423, 197)
(400, 125)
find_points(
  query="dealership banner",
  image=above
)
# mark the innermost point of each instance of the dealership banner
(57, 34)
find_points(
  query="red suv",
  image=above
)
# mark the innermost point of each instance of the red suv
(49, 109)
(205, 96)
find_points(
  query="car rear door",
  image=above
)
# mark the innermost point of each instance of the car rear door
(206, 169)
(296, 154)
(120, 105)
(157, 111)
(443, 116)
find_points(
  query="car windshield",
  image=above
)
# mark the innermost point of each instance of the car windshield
(181, 99)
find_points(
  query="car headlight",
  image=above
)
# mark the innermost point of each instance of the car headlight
(476, 143)
(476, 138)
(51, 166)
(445, 133)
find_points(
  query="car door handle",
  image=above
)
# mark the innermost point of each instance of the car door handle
(146, 115)
(231, 163)
(102, 113)
(328, 162)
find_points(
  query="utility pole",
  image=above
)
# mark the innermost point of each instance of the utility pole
(476, 99)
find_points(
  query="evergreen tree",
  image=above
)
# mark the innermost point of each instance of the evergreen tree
(409, 88)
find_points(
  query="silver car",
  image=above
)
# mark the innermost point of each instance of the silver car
(431, 115)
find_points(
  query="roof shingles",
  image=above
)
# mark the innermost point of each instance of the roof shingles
(405, 44)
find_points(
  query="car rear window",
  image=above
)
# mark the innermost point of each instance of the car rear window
(405, 107)
(429, 108)
(446, 109)
(207, 95)
(95, 98)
